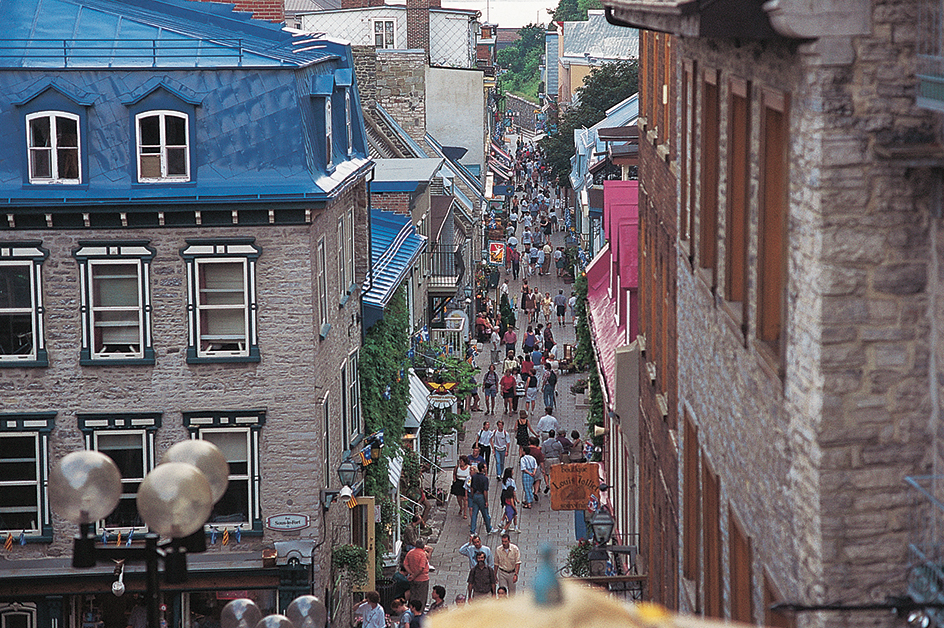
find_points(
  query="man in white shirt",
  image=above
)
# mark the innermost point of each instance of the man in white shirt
(372, 611)
(547, 423)
(473, 547)
(529, 470)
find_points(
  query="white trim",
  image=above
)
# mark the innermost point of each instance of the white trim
(53, 148)
(162, 147)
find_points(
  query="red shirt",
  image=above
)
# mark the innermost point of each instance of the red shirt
(416, 563)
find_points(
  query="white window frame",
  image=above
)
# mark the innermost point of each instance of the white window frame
(96, 257)
(349, 121)
(345, 407)
(143, 425)
(32, 256)
(250, 422)
(205, 342)
(329, 133)
(53, 149)
(393, 33)
(349, 247)
(322, 280)
(33, 485)
(200, 255)
(326, 439)
(251, 463)
(37, 426)
(98, 270)
(163, 147)
(353, 396)
(342, 256)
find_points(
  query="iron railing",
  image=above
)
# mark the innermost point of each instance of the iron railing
(926, 549)
(446, 267)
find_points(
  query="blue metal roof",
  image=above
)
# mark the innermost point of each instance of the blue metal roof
(256, 131)
(144, 33)
(395, 246)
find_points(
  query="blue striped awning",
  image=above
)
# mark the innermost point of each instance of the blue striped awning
(395, 246)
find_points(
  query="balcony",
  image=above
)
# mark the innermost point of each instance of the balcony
(926, 550)
(446, 269)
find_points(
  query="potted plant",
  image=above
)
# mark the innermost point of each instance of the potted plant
(578, 559)
(579, 388)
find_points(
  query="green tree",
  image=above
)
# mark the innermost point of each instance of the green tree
(520, 63)
(568, 11)
(605, 86)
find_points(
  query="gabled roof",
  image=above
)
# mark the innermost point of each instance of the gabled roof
(144, 33)
(597, 39)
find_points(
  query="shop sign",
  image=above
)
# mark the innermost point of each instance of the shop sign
(287, 523)
(573, 485)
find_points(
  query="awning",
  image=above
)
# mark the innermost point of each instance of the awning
(394, 469)
(419, 402)
(606, 335)
(496, 167)
(395, 247)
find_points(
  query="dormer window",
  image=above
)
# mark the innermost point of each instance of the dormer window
(53, 144)
(328, 133)
(163, 146)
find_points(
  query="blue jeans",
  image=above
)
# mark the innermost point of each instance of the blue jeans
(499, 462)
(479, 505)
(548, 397)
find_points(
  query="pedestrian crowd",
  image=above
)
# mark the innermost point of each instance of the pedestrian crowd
(519, 370)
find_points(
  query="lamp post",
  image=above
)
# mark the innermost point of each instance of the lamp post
(175, 500)
(601, 527)
(347, 473)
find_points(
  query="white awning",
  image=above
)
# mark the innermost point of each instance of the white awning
(419, 402)
(394, 469)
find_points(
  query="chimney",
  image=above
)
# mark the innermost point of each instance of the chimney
(269, 10)
(353, 4)
(375, 3)
(417, 25)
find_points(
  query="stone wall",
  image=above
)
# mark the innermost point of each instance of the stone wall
(401, 88)
(811, 454)
(297, 368)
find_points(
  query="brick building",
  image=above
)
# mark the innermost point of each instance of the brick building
(178, 259)
(790, 203)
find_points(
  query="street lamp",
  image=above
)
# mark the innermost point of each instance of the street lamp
(175, 499)
(347, 473)
(306, 611)
(601, 527)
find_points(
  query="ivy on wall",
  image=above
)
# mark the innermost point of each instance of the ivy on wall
(585, 359)
(385, 395)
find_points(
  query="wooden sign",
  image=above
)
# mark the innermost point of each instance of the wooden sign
(572, 485)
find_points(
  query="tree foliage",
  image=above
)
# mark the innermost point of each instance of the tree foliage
(605, 86)
(521, 63)
(574, 10)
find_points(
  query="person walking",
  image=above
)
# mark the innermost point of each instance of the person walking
(507, 563)
(481, 581)
(460, 473)
(507, 384)
(510, 339)
(547, 422)
(485, 442)
(474, 546)
(529, 470)
(480, 500)
(500, 442)
(523, 430)
(490, 386)
(560, 303)
(548, 387)
(509, 497)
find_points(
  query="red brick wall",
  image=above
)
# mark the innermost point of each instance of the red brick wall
(659, 499)
(417, 24)
(269, 10)
(398, 202)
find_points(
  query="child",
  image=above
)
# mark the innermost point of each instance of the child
(509, 499)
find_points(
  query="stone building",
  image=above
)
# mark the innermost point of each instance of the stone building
(790, 249)
(178, 259)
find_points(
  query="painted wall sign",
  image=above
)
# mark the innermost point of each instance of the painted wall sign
(287, 523)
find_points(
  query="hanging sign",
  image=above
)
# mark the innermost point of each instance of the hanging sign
(573, 485)
(496, 253)
(287, 522)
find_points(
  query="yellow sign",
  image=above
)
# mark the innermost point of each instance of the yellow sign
(572, 485)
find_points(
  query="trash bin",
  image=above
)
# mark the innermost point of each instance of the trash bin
(385, 589)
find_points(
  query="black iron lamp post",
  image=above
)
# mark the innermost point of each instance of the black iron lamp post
(175, 499)
(601, 527)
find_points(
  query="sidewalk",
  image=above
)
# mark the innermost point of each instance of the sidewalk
(539, 524)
